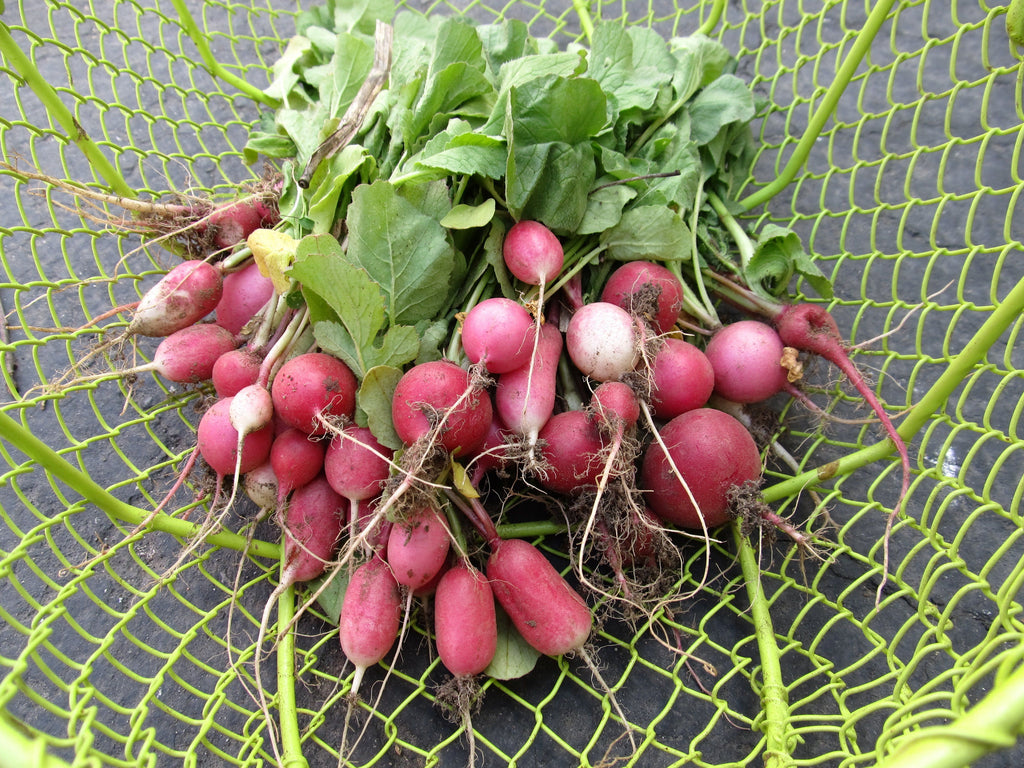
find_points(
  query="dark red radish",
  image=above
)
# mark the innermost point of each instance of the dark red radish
(314, 385)
(648, 291)
(498, 334)
(572, 448)
(602, 341)
(418, 547)
(370, 616)
(218, 442)
(245, 293)
(465, 621)
(439, 398)
(235, 370)
(182, 297)
(746, 357)
(525, 398)
(709, 451)
(681, 378)
(297, 459)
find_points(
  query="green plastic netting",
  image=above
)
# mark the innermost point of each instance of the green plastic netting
(892, 141)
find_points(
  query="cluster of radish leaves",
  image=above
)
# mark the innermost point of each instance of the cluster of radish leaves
(626, 148)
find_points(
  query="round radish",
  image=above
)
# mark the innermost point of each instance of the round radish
(218, 442)
(418, 547)
(532, 253)
(313, 521)
(189, 355)
(681, 378)
(747, 359)
(261, 486)
(525, 398)
(439, 394)
(648, 291)
(296, 459)
(709, 450)
(602, 341)
(235, 370)
(312, 385)
(572, 447)
(498, 333)
(245, 293)
(356, 464)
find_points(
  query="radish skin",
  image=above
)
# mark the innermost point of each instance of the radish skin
(602, 341)
(370, 616)
(182, 297)
(746, 357)
(312, 386)
(465, 621)
(648, 291)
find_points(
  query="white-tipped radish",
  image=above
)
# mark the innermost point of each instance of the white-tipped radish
(525, 398)
(182, 297)
(370, 616)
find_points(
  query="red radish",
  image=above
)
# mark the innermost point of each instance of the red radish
(418, 548)
(439, 397)
(572, 447)
(747, 360)
(525, 398)
(616, 405)
(357, 464)
(709, 452)
(492, 453)
(465, 622)
(498, 334)
(681, 378)
(648, 291)
(234, 370)
(228, 224)
(218, 442)
(532, 253)
(183, 297)
(296, 460)
(312, 385)
(370, 616)
(602, 341)
(245, 293)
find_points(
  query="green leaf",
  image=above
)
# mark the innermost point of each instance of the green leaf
(611, 63)
(778, 256)
(405, 251)
(556, 109)
(650, 232)
(469, 216)
(727, 100)
(496, 259)
(604, 208)
(374, 399)
(328, 183)
(331, 587)
(514, 657)
(550, 183)
(353, 59)
(459, 150)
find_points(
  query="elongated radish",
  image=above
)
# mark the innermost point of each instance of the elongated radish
(525, 398)
(648, 291)
(370, 616)
(312, 386)
(182, 297)
(746, 357)
(465, 622)
(602, 341)
(498, 334)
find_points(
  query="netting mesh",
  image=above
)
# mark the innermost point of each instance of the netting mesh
(114, 653)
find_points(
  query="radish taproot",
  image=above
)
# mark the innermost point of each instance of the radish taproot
(219, 442)
(235, 370)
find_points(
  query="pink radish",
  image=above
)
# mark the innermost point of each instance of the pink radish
(357, 464)
(498, 334)
(234, 370)
(314, 385)
(296, 460)
(681, 378)
(228, 224)
(648, 291)
(492, 453)
(465, 621)
(418, 548)
(218, 442)
(747, 360)
(438, 397)
(181, 298)
(370, 616)
(571, 449)
(602, 341)
(708, 453)
(245, 293)
(532, 253)
(525, 398)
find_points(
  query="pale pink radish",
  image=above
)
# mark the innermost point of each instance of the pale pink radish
(245, 293)
(648, 291)
(498, 334)
(261, 485)
(681, 378)
(311, 387)
(602, 341)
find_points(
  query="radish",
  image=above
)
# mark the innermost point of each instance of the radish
(261, 485)
(648, 291)
(708, 453)
(313, 386)
(418, 548)
(296, 460)
(747, 360)
(498, 334)
(245, 293)
(602, 341)
(235, 370)
(356, 464)
(532, 253)
(571, 447)
(492, 454)
(183, 297)
(219, 441)
(438, 399)
(370, 616)
(525, 398)
(682, 378)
